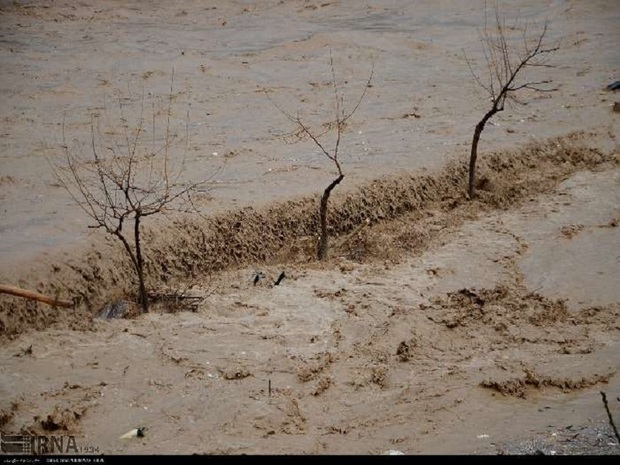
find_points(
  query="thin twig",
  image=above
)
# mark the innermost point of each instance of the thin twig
(611, 420)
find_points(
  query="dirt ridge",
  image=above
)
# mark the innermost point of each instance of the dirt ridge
(189, 249)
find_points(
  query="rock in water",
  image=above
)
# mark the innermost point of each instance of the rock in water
(115, 309)
(614, 86)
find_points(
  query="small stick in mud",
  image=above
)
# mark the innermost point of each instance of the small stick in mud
(257, 277)
(269, 388)
(280, 278)
(611, 419)
(16, 291)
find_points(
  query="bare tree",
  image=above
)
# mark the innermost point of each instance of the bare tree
(121, 181)
(338, 125)
(506, 61)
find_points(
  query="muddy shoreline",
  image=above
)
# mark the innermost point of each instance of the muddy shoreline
(192, 249)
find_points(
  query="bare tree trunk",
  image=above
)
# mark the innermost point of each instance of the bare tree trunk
(142, 296)
(474, 149)
(323, 245)
(136, 261)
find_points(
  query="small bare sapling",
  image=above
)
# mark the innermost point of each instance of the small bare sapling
(335, 127)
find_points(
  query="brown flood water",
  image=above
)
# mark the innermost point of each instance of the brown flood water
(63, 62)
(459, 328)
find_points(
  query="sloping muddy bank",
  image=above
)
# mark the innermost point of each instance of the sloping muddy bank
(183, 252)
(457, 346)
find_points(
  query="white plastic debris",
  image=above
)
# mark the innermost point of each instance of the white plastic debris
(134, 433)
(482, 436)
(392, 452)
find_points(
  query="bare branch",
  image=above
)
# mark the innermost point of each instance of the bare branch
(314, 138)
(534, 86)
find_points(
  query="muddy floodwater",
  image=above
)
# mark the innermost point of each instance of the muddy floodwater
(437, 325)
(235, 62)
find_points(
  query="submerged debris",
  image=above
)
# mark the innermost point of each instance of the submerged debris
(258, 276)
(614, 86)
(115, 309)
(280, 278)
(134, 433)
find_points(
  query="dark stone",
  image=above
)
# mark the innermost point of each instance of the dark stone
(115, 309)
